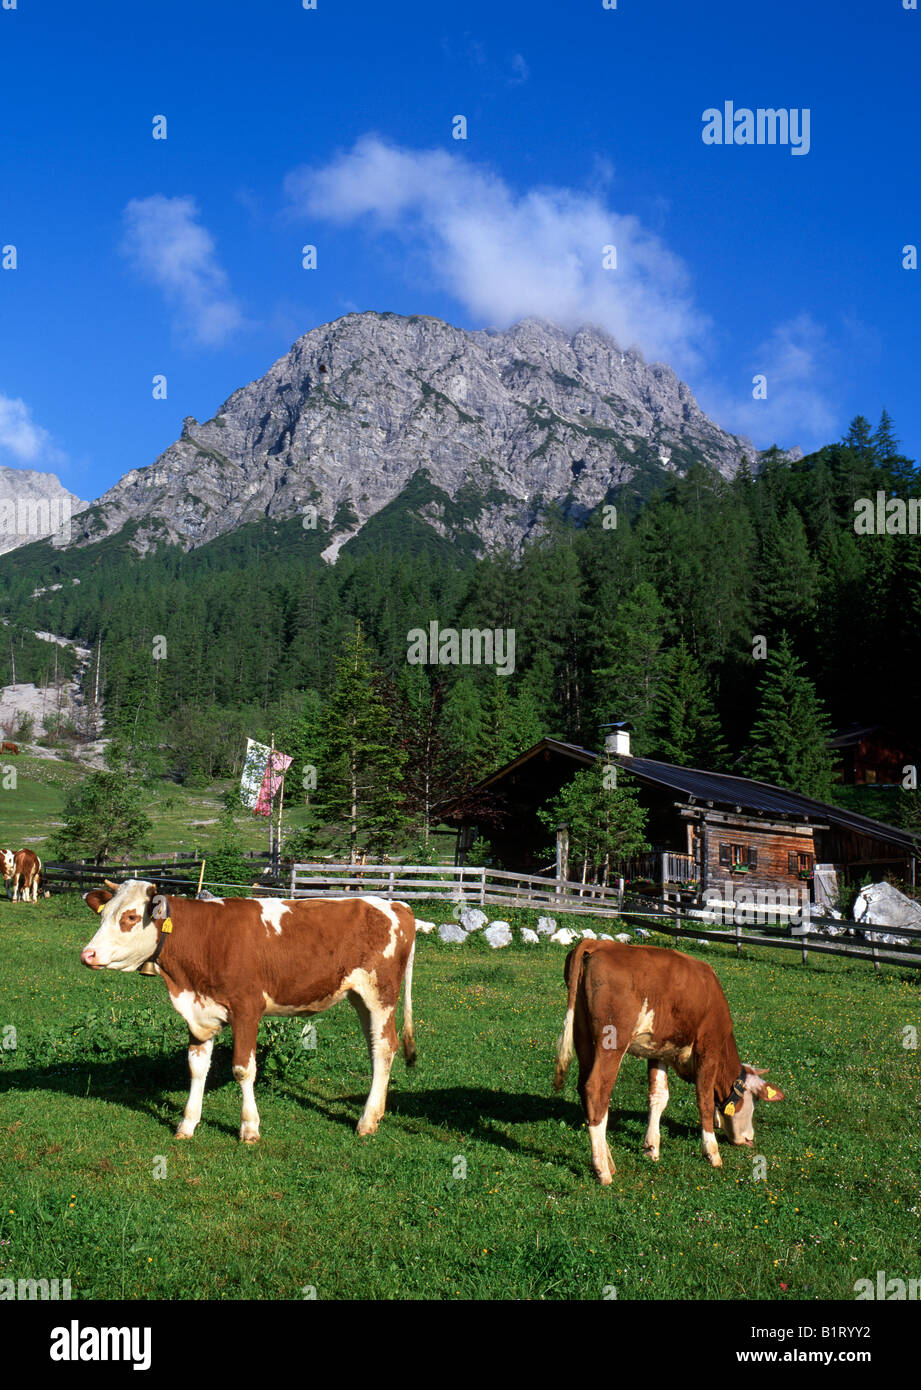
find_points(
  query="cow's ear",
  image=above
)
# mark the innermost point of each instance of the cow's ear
(159, 907)
(96, 899)
(761, 1089)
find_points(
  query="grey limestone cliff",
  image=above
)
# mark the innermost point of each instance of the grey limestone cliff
(507, 422)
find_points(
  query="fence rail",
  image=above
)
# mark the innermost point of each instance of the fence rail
(499, 888)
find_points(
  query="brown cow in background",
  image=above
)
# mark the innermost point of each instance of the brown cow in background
(25, 869)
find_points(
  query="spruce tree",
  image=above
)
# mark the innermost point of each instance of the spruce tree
(788, 743)
(431, 772)
(463, 711)
(687, 727)
(359, 779)
(627, 682)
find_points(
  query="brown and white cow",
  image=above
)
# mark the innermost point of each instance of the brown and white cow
(233, 960)
(669, 1008)
(25, 869)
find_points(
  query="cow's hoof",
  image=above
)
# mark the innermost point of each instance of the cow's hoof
(184, 1133)
(605, 1179)
(651, 1153)
(714, 1160)
(249, 1135)
(367, 1126)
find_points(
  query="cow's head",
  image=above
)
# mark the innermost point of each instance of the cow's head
(127, 935)
(738, 1115)
(7, 863)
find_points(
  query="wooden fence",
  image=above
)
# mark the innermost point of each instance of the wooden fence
(664, 911)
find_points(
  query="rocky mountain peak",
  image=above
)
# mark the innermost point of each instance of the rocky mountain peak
(505, 422)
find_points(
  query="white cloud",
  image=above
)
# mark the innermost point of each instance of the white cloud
(506, 256)
(795, 360)
(29, 444)
(166, 242)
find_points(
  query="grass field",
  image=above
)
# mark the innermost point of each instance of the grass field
(184, 818)
(94, 1188)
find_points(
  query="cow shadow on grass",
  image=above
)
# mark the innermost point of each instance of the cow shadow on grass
(477, 1113)
(157, 1086)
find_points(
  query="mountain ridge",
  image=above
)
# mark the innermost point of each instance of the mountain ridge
(340, 426)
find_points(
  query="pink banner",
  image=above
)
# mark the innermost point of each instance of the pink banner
(274, 771)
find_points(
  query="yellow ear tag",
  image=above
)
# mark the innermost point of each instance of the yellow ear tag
(101, 907)
(167, 924)
(771, 1093)
(730, 1109)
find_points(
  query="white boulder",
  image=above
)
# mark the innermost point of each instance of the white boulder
(424, 927)
(498, 934)
(471, 918)
(563, 937)
(589, 935)
(450, 931)
(530, 937)
(546, 926)
(622, 936)
(881, 905)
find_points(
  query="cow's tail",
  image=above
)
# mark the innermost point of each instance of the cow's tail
(564, 1045)
(408, 1037)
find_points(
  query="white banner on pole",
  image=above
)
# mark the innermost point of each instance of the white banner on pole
(257, 760)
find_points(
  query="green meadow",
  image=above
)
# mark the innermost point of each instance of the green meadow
(185, 819)
(478, 1183)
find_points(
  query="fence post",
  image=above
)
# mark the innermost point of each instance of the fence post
(292, 881)
(482, 886)
(738, 927)
(875, 957)
(390, 884)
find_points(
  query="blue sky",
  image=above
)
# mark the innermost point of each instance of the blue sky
(333, 127)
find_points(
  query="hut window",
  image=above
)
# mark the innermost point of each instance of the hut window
(800, 863)
(736, 856)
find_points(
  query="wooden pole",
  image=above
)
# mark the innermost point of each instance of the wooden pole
(271, 808)
(201, 877)
(281, 803)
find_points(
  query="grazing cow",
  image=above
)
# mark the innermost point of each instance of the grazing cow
(233, 960)
(9, 748)
(669, 1008)
(25, 869)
